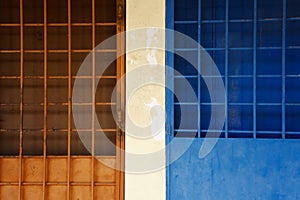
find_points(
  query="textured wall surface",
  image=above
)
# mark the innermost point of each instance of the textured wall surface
(147, 185)
(238, 169)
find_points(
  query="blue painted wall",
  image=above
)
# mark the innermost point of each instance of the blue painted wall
(238, 169)
(255, 44)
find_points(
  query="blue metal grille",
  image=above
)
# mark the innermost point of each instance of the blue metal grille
(256, 47)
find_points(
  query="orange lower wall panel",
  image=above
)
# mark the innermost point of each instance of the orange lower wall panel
(57, 184)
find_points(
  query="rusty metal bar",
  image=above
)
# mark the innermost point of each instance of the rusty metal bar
(10, 25)
(9, 51)
(57, 24)
(10, 77)
(45, 101)
(107, 77)
(21, 97)
(69, 98)
(106, 51)
(62, 104)
(53, 156)
(58, 51)
(120, 99)
(56, 77)
(61, 51)
(93, 98)
(62, 130)
(105, 130)
(33, 51)
(60, 184)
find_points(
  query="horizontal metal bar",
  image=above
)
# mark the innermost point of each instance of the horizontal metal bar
(57, 130)
(292, 133)
(61, 51)
(236, 48)
(212, 21)
(196, 103)
(185, 130)
(57, 77)
(244, 20)
(203, 130)
(240, 104)
(238, 76)
(269, 48)
(293, 18)
(185, 49)
(239, 131)
(269, 132)
(97, 130)
(176, 76)
(235, 104)
(292, 76)
(60, 104)
(268, 104)
(292, 47)
(213, 49)
(230, 76)
(62, 156)
(56, 24)
(186, 22)
(9, 130)
(268, 76)
(234, 20)
(188, 76)
(186, 103)
(59, 183)
(244, 48)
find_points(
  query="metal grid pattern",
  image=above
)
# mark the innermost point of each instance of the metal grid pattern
(256, 49)
(42, 46)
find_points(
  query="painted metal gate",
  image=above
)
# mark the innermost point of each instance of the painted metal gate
(256, 47)
(42, 45)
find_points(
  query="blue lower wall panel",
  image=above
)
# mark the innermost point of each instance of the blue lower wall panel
(237, 169)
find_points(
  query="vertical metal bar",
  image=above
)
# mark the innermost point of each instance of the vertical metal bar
(120, 99)
(69, 98)
(93, 98)
(283, 67)
(254, 66)
(121, 157)
(169, 92)
(21, 97)
(170, 72)
(226, 66)
(118, 105)
(45, 101)
(199, 69)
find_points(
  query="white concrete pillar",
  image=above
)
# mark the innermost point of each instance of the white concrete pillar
(147, 185)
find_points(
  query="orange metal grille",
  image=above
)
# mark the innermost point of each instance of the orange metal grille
(43, 43)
